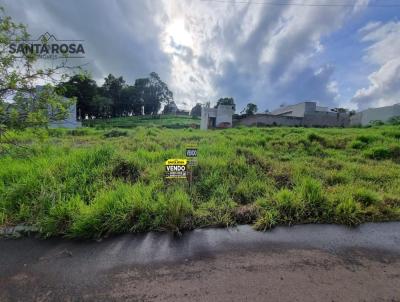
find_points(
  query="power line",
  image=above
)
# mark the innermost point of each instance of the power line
(305, 4)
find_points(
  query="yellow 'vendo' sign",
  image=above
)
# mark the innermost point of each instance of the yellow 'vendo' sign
(175, 168)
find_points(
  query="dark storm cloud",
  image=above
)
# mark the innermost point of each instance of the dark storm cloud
(121, 37)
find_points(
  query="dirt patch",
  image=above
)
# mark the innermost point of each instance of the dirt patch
(246, 214)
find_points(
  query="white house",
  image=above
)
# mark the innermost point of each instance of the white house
(300, 110)
(220, 117)
(69, 122)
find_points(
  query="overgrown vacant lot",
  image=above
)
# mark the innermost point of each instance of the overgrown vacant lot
(92, 183)
(167, 121)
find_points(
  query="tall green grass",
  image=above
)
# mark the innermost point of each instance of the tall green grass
(87, 183)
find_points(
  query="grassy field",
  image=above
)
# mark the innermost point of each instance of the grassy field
(90, 183)
(166, 121)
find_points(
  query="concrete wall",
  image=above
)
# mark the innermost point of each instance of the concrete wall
(69, 122)
(268, 119)
(206, 113)
(383, 114)
(326, 119)
(318, 119)
(223, 115)
(355, 120)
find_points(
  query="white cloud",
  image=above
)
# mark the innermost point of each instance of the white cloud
(252, 52)
(383, 51)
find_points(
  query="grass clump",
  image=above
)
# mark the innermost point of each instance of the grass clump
(115, 133)
(215, 213)
(348, 212)
(313, 137)
(311, 193)
(289, 205)
(366, 197)
(384, 152)
(267, 220)
(126, 171)
(177, 210)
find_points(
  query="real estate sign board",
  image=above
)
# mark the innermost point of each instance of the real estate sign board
(175, 168)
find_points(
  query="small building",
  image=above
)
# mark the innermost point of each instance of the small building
(69, 122)
(315, 116)
(384, 114)
(220, 117)
(170, 108)
(300, 110)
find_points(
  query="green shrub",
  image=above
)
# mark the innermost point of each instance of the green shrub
(126, 171)
(56, 132)
(377, 123)
(395, 120)
(378, 153)
(366, 139)
(78, 132)
(357, 144)
(394, 134)
(395, 152)
(313, 137)
(387, 152)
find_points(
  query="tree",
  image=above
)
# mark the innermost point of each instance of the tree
(196, 110)
(339, 110)
(226, 101)
(250, 109)
(85, 90)
(131, 102)
(112, 89)
(153, 92)
(103, 106)
(22, 104)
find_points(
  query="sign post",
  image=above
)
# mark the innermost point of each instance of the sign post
(191, 155)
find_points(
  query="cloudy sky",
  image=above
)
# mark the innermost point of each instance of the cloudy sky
(339, 55)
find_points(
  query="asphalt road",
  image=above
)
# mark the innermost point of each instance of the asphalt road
(301, 263)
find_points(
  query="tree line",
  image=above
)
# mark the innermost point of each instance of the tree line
(116, 98)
